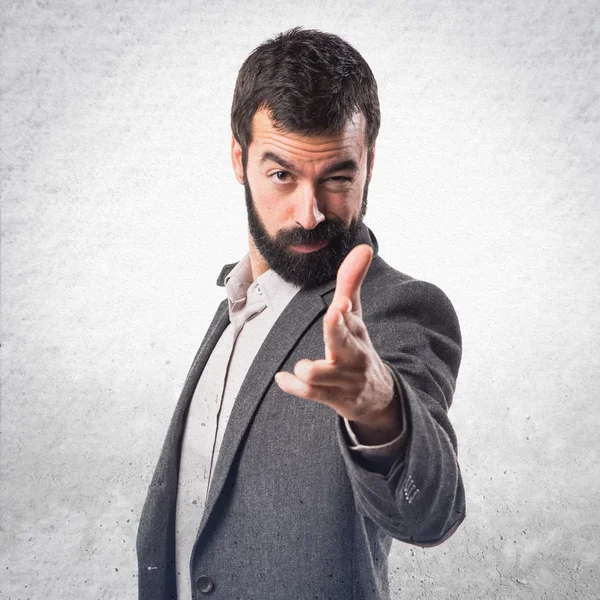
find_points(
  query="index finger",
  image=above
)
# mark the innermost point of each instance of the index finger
(351, 275)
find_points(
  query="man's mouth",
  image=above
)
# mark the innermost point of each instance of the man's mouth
(309, 247)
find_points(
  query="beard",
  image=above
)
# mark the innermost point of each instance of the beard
(305, 269)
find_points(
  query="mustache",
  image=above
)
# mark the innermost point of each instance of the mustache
(325, 231)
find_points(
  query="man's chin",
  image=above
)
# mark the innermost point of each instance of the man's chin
(305, 269)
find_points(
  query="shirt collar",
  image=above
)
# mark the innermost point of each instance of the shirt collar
(239, 279)
(275, 291)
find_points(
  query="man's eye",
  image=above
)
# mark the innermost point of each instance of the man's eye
(280, 177)
(338, 182)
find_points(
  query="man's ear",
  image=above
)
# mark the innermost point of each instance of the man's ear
(370, 166)
(236, 160)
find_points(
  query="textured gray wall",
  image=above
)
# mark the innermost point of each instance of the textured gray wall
(119, 208)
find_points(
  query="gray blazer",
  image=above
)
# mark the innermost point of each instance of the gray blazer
(291, 514)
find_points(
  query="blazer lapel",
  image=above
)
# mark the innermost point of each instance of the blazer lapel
(167, 471)
(301, 312)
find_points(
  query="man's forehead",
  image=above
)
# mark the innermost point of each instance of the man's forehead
(349, 142)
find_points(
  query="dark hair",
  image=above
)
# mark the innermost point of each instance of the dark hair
(310, 82)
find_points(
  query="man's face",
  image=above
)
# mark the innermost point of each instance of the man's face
(305, 197)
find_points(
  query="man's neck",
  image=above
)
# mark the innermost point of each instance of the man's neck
(258, 264)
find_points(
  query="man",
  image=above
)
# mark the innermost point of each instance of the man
(314, 416)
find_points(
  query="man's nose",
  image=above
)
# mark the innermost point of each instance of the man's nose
(308, 212)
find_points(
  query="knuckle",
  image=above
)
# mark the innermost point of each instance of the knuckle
(363, 381)
(362, 362)
(303, 369)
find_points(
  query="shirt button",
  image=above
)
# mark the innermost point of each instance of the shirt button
(204, 584)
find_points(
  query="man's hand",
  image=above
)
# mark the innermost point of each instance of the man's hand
(352, 379)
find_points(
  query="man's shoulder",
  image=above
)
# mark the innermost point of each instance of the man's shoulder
(380, 271)
(382, 275)
(386, 287)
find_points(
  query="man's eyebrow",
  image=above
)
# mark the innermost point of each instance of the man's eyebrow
(344, 165)
(277, 159)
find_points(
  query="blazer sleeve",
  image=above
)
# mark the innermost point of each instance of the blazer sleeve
(421, 499)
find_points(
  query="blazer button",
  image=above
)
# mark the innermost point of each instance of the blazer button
(204, 584)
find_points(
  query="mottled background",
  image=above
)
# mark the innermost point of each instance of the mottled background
(119, 208)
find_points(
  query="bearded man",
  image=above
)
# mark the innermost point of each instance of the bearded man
(312, 428)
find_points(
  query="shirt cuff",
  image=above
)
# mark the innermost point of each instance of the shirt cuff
(380, 450)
